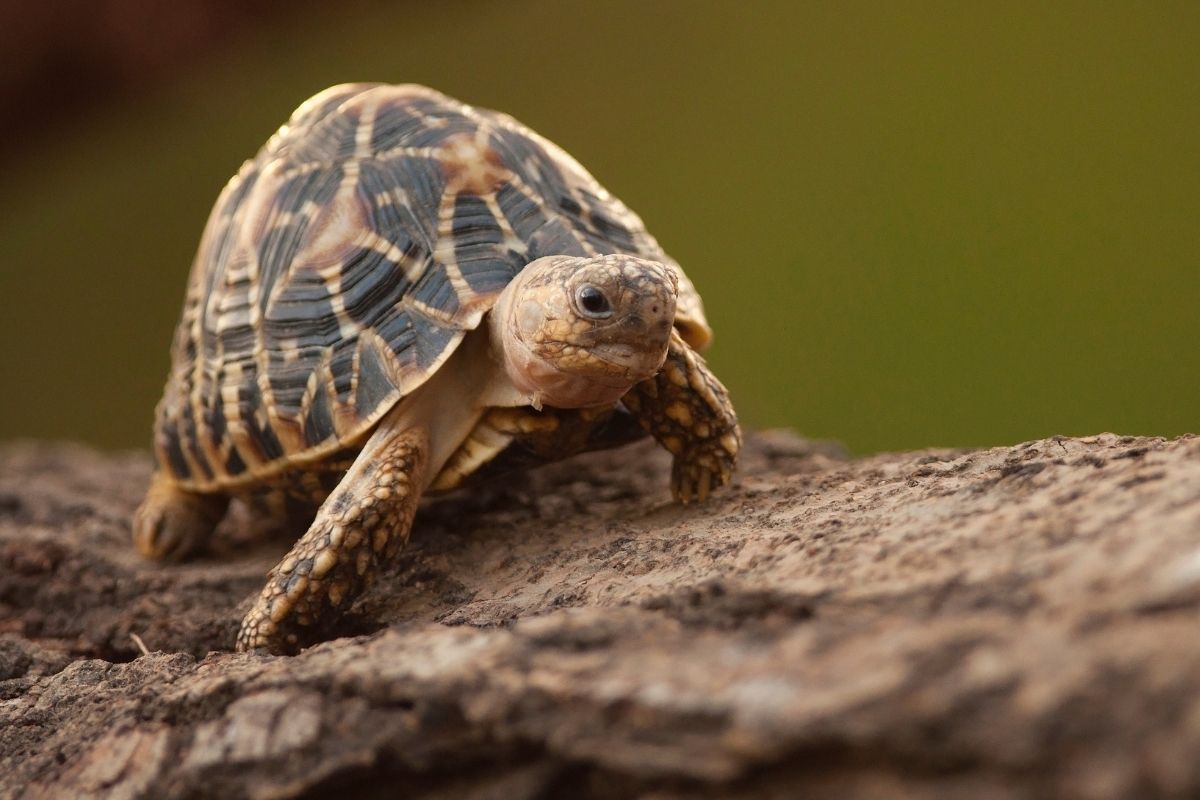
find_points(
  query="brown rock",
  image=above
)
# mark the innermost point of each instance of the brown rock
(1001, 623)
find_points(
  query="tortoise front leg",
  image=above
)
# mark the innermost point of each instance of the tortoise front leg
(363, 523)
(687, 410)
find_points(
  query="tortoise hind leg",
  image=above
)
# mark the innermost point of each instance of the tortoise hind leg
(687, 410)
(360, 525)
(172, 523)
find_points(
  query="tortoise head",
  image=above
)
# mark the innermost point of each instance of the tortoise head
(578, 332)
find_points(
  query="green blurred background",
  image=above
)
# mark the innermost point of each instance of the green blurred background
(914, 224)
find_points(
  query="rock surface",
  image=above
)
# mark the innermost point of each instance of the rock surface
(1012, 622)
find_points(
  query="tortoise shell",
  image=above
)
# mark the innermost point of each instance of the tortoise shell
(344, 263)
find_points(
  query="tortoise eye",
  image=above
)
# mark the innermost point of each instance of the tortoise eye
(592, 302)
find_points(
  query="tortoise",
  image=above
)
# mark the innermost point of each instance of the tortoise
(397, 292)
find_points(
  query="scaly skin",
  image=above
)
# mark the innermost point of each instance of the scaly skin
(687, 410)
(173, 523)
(358, 528)
(543, 346)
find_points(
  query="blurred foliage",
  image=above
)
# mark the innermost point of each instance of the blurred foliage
(913, 224)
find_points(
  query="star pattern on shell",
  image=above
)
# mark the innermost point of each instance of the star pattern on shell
(344, 263)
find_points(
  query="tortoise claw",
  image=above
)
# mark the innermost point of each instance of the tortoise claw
(172, 523)
(702, 468)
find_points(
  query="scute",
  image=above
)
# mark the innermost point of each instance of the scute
(344, 263)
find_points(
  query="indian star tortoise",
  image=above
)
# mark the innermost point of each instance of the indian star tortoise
(398, 291)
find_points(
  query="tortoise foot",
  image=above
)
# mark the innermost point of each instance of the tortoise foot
(688, 411)
(172, 523)
(704, 466)
(358, 529)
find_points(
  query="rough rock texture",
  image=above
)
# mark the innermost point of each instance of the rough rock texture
(1013, 622)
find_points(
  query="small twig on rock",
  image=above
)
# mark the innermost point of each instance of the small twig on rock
(140, 644)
